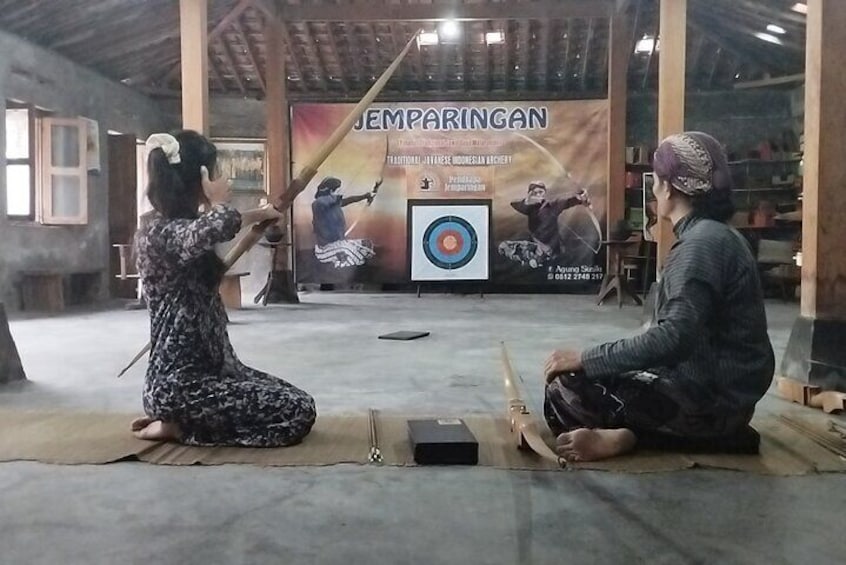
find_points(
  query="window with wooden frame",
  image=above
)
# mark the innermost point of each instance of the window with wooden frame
(20, 162)
(46, 167)
(63, 187)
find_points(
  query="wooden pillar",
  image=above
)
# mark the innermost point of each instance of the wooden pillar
(618, 61)
(815, 353)
(193, 33)
(278, 153)
(671, 91)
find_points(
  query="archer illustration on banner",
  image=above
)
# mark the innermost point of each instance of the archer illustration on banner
(545, 245)
(330, 228)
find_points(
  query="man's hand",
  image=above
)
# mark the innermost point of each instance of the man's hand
(567, 361)
(370, 196)
(583, 197)
(217, 191)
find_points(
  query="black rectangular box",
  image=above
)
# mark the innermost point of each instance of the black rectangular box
(446, 441)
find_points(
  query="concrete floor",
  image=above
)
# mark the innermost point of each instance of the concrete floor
(138, 513)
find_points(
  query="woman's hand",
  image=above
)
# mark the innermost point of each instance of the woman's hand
(566, 361)
(268, 212)
(217, 191)
(256, 215)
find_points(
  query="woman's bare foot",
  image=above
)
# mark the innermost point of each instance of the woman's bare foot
(140, 423)
(592, 445)
(157, 430)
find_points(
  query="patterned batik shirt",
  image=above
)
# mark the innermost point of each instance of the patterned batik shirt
(709, 326)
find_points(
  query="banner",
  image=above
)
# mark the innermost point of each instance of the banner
(540, 165)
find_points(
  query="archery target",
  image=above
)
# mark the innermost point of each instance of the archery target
(449, 241)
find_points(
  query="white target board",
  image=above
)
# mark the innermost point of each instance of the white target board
(449, 240)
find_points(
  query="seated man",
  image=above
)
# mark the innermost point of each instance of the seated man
(696, 374)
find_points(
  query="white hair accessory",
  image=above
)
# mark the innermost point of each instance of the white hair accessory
(166, 143)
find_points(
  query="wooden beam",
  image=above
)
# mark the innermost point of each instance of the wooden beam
(276, 107)
(815, 352)
(400, 39)
(524, 43)
(314, 47)
(652, 52)
(232, 63)
(737, 22)
(698, 46)
(385, 10)
(586, 55)
(714, 66)
(671, 93)
(466, 57)
(618, 61)
(506, 57)
(565, 72)
(824, 198)
(768, 82)
(217, 75)
(717, 40)
(221, 26)
(289, 46)
(544, 58)
(248, 49)
(432, 95)
(278, 165)
(333, 48)
(193, 26)
(489, 55)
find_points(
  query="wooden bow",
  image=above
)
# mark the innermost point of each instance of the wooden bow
(284, 199)
(524, 427)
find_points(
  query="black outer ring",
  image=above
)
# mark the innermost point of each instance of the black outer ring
(468, 256)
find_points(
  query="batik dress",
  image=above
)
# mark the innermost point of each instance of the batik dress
(194, 377)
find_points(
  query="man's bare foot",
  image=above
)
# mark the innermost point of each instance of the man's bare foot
(140, 423)
(592, 445)
(159, 431)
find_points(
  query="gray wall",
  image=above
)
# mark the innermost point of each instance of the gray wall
(739, 119)
(34, 75)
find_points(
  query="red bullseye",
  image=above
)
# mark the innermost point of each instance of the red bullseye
(450, 242)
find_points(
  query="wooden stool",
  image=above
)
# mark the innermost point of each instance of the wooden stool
(43, 290)
(230, 290)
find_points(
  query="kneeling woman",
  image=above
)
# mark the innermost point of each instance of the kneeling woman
(696, 374)
(196, 389)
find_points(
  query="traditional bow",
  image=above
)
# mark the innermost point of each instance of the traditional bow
(588, 208)
(523, 424)
(375, 190)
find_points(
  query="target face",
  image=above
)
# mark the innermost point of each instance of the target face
(449, 240)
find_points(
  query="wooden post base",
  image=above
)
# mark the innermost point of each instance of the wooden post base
(10, 362)
(815, 354)
(809, 395)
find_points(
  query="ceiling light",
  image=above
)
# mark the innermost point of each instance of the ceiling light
(495, 37)
(800, 7)
(645, 45)
(776, 29)
(450, 29)
(428, 38)
(768, 37)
